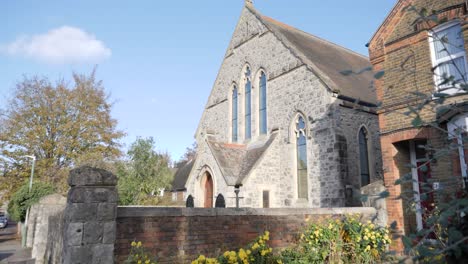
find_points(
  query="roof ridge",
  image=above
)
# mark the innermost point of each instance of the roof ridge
(279, 23)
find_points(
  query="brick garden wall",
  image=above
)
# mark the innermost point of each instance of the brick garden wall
(179, 235)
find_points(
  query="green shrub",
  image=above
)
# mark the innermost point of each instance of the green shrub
(339, 241)
(22, 199)
(139, 255)
(257, 252)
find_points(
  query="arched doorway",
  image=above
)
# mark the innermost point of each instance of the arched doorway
(208, 190)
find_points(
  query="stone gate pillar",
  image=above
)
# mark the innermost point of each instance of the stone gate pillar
(90, 217)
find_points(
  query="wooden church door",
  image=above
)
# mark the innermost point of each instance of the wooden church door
(208, 191)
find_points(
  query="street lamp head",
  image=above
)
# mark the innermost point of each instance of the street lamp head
(30, 156)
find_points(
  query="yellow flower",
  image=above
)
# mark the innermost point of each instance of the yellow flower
(139, 261)
(255, 246)
(201, 258)
(367, 248)
(366, 238)
(133, 243)
(139, 244)
(147, 261)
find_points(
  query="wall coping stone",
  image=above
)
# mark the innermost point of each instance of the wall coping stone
(149, 211)
(89, 176)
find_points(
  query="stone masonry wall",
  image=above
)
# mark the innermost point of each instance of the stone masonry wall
(54, 244)
(179, 235)
(39, 225)
(349, 123)
(291, 89)
(89, 220)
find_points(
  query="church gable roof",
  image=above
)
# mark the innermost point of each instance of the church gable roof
(327, 60)
(181, 176)
(237, 161)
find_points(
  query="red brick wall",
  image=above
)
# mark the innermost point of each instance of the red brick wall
(179, 235)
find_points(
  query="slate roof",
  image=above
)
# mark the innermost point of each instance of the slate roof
(327, 60)
(181, 176)
(236, 161)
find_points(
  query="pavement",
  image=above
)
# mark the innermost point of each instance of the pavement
(10, 247)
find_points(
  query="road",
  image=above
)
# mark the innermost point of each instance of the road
(10, 246)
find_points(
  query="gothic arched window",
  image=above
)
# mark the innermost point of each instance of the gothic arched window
(248, 104)
(263, 104)
(234, 114)
(301, 157)
(364, 157)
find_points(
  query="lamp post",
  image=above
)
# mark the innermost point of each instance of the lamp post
(236, 191)
(25, 228)
(32, 171)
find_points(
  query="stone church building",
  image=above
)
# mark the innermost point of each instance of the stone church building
(283, 126)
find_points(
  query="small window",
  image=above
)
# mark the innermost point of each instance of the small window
(364, 157)
(248, 104)
(234, 114)
(301, 158)
(448, 57)
(266, 199)
(263, 104)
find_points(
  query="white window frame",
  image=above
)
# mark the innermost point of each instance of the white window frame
(449, 57)
(455, 127)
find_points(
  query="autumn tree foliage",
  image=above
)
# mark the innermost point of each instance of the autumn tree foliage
(61, 124)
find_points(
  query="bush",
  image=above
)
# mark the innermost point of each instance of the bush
(339, 241)
(138, 255)
(22, 199)
(257, 252)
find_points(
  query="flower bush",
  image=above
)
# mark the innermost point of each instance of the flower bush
(139, 255)
(339, 241)
(258, 252)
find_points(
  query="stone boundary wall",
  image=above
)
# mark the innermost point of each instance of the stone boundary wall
(179, 235)
(39, 225)
(54, 244)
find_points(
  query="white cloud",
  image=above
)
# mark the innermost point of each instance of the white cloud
(59, 46)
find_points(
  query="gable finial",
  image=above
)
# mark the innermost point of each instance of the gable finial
(249, 2)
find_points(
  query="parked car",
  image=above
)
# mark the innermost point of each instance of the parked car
(3, 221)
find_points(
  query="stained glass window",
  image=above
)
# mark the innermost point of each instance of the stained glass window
(234, 114)
(301, 152)
(364, 157)
(262, 104)
(248, 104)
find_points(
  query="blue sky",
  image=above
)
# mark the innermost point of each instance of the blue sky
(157, 59)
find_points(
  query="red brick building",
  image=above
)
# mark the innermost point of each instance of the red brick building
(415, 51)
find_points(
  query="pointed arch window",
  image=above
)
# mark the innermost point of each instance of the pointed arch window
(262, 104)
(364, 157)
(248, 104)
(234, 114)
(301, 157)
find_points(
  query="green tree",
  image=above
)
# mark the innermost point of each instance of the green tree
(144, 174)
(22, 199)
(62, 125)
